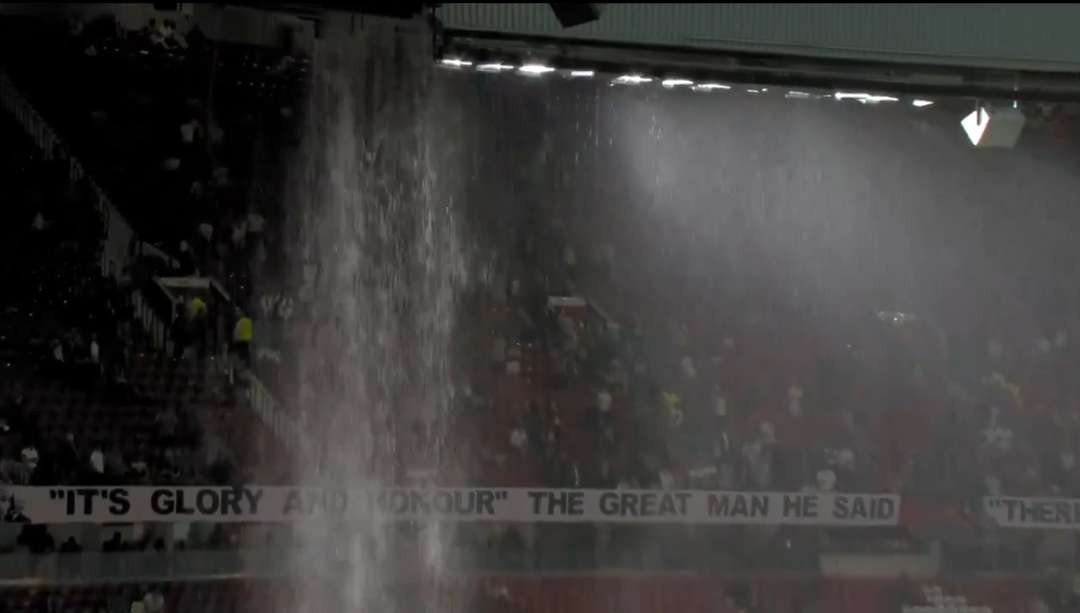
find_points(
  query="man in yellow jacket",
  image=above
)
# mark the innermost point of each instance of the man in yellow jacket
(241, 338)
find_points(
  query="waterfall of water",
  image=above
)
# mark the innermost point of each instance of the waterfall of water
(379, 261)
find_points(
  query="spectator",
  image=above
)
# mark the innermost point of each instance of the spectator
(70, 546)
(757, 456)
(195, 321)
(119, 601)
(519, 439)
(114, 544)
(13, 514)
(58, 361)
(139, 470)
(689, 370)
(54, 602)
(37, 539)
(666, 479)
(241, 337)
(69, 459)
(154, 600)
(30, 457)
(166, 421)
(1038, 605)
(826, 480)
(180, 329)
(114, 463)
(256, 223)
(195, 308)
(186, 262)
(39, 223)
(190, 131)
(603, 401)
(95, 351)
(239, 235)
(97, 465)
(204, 244)
(795, 396)
(15, 472)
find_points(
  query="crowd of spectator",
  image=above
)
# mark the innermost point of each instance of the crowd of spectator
(169, 120)
(577, 367)
(600, 393)
(83, 395)
(609, 370)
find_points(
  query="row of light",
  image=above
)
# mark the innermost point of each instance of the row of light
(985, 129)
(535, 70)
(541, 69)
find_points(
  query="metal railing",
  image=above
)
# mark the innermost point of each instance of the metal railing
(138, 566)
(286, 427)
(116, 254)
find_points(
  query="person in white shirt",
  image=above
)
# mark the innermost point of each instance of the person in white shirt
(603, 401)
(97, 461)
(518, 439)
(795, 395)
(239, 233)
(30, 456)
(689, 370)
(719, 402)
(826, 480)
(667, 480)
(154, 601)
(189, 130)
(768, 432)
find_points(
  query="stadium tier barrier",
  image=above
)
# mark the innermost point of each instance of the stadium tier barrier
(225, 504)
(88, 567)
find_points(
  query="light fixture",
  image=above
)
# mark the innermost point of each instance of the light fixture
(454, 62)
(494, 67)
(798, 95)
(754, 91)
(670, 83)
(988, 126)
(864, 97)
(708, 87)
(631, 79)
(581, 74)
(535, 69)
(920, 103)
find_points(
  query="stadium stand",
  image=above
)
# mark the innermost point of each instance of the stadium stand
(578, 374)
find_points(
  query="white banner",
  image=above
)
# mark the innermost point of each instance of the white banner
(275, 504)
(1016, 512)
